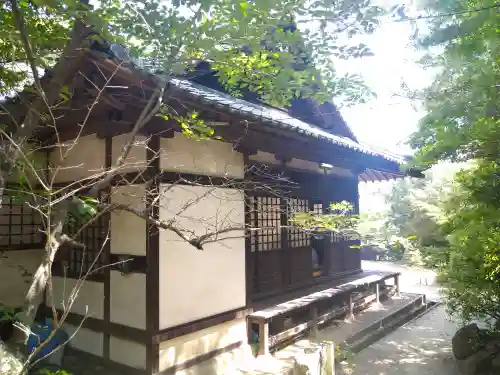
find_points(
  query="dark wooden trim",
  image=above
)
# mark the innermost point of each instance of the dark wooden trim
(285, 254)
(168, 177)
(198, 325)
(99, 362)
(176, 177)
(99, 325)
(199, 359)
(108, 152)
(153, 259)
(248, 250)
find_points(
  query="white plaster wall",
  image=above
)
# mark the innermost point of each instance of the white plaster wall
(210, 157)
(127, 352)
(89, 301)
(78, 159)
(184, 348)
(13, 285)
(85, 339)
(128, 230)
(195, 284)
(128, 299)
(136, 159)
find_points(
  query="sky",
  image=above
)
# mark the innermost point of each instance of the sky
(388, 120)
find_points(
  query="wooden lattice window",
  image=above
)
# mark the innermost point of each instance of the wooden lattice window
(297, 237)
(21, 227)
(93, 236)
(265, 216)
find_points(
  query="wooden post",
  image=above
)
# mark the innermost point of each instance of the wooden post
(329, 358)
(351, 307)
(249, 331)
(377, 293)
(314, 319)
(396, 283)
(263, 337)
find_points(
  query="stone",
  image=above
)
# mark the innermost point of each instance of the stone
(466, 341)
(11, 359)
(496, 363)
(478, 363)
(316, 359)
(493, 346)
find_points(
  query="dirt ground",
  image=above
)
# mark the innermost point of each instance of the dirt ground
(421, 347)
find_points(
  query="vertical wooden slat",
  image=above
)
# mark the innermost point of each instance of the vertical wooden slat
(248, 241)
(153, 259)
(255, 255)
(108, 149)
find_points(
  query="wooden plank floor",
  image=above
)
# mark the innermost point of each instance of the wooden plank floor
(275, 300)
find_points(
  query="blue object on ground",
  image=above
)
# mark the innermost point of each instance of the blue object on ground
(40, 333)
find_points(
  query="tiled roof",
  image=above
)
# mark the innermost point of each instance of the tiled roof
(272, 117)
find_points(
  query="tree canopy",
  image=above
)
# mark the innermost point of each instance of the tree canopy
(462, 123)
(462, 103)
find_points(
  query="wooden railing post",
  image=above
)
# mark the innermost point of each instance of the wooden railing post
(263, 337)
(350, 310)
(377, 293)
(396, 283)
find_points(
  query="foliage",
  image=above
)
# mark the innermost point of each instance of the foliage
(9, 314)
(339, 218)
(407, 223)
(51, 372)
(47, 23)
(268, 56)
(462, 123)
(462, 102)
(472, 271)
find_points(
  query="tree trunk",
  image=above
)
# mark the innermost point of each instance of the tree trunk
(64, 69)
